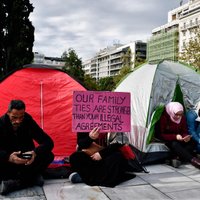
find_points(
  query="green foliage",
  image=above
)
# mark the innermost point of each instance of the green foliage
(126, 68)
(73, 65)
(17, 34)
(138, 60)
(2, 38)
(126, 58)
(191, 54)
(122, 73)
(106, 84)
(90, 83)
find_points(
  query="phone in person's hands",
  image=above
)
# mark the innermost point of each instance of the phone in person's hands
(25, 156)
(187, 136)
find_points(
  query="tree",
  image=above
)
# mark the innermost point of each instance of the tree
(106, 84)
(122, 73)
(126, 58)
(73, 65)
(191, 54)
(17, 36)
(90, 83)
(139, 60)
(2, 26)
(126, 67)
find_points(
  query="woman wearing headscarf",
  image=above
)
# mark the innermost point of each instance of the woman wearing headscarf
(193, 122)
(174, 132)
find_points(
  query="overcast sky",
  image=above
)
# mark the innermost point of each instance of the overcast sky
(90, 25)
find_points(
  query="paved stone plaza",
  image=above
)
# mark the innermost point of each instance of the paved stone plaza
(163, 182)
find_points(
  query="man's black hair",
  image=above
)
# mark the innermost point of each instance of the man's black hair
(16, 104)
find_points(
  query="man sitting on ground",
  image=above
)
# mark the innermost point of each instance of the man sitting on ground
(18, 132)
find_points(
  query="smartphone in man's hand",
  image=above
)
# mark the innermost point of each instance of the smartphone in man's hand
(25, 156)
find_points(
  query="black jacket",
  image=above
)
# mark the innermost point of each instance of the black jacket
(28, 137)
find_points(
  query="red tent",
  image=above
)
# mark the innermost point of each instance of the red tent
(47, 93)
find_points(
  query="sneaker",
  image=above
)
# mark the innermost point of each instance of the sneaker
(75, 178)
(8, 186)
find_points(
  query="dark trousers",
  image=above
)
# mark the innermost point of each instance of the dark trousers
(184, 150)
(109, 171)
(26, 172)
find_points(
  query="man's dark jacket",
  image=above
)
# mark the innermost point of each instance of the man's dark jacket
(22, 139)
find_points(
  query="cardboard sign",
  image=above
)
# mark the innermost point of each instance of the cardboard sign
(110, 111)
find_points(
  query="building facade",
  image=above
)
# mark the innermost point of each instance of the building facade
(189, 23)
(168, 41)
(163, 44)
(109, 61)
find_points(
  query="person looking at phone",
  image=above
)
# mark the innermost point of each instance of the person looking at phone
(193, 122)
(173, 131)
(22, 161)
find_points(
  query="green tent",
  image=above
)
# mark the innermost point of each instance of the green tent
(151, 87)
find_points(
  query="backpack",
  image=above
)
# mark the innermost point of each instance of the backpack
(133, 159)
(149, 158)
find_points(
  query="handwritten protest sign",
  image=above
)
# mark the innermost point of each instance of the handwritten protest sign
(110, 111)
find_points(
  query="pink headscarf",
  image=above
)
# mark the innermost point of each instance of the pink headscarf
(172, 108)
